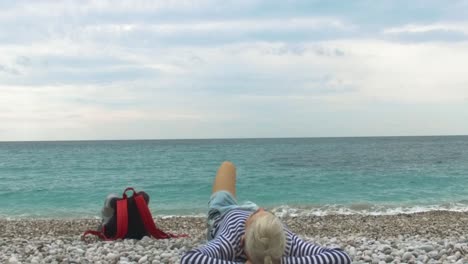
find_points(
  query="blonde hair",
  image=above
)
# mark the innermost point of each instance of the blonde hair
(265, 240)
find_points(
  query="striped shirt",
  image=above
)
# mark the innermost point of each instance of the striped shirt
(226, 248)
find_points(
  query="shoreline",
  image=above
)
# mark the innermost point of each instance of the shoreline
(427, 237)
(297, 210)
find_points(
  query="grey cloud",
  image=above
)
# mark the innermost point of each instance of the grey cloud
(299, 50)
(329, 52)
(339, 53)
(75, 69)
(80, 62)
(292, 49)
(81, 76)
(196, 59)
(9, 70)
(23, 61)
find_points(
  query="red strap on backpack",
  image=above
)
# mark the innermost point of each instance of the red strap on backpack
(122, 218)
(148, 221)
(122, 223)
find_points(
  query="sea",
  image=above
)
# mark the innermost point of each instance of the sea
(290, 176)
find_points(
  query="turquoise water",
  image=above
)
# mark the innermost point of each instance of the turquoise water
(301, 175)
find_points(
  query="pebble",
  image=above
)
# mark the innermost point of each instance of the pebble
(407, 256)
(13, 260)
(427, 248)
(143, 259)
(111, 256)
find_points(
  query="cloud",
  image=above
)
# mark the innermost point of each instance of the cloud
(9, 70)
(22, 9)
(405, 72)
(461, 28)
(342, 70)
(233, 26)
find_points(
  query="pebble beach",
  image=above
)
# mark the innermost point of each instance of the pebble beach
(429, 237)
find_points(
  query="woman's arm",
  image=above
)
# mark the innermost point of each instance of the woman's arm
(217, 251)
(303, 252)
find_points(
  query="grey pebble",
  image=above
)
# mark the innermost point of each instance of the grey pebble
(407, 256)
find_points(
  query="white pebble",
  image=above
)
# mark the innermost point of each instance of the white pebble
(13, 260)
(111, 256)
(166, 255)
(427, 248)
(143, 259)
(433, 254)
(407, 256)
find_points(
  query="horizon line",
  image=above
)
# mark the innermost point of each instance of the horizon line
(228, 138)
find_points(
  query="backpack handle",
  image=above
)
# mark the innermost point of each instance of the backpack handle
(124, 195)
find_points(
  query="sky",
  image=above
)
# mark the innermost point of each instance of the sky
(91, 70)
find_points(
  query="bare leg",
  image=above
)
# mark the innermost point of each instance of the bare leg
(225, 178)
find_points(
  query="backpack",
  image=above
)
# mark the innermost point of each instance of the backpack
(131, 219)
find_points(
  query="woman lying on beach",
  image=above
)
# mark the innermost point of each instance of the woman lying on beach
(248, 234)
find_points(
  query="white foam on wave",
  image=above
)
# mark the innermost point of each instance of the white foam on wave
(364, 209)
(180, 216)
(282, 211)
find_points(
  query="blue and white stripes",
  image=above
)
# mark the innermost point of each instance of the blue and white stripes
(226, 247)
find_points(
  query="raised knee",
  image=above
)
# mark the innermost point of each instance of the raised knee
(228, 164)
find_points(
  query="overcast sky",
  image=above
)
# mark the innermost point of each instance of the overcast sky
(73, 70)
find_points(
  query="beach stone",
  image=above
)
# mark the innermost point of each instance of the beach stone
(407, 256)
(139, 248)
(427, 248)
(443, 258)
(423, 258)
(452, 258)
(13, 260)
(111, 256)
(35, 260)
(389, 259)
(166, 255)
(461, 248)
(146, 240)
(135, 257)
(433, 254)
(143, 259)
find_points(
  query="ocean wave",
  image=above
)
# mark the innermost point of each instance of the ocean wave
(282, 211)
(366, 209)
